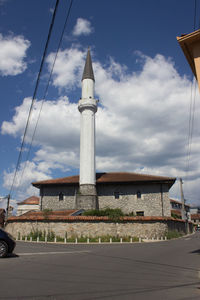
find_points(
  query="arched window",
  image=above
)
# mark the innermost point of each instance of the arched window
(61, 196)
(138, 194)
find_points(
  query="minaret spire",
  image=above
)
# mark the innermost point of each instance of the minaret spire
(88, 70)
(87, 106)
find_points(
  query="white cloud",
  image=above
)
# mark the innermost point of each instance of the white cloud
(24, 177)
(142, 121)
(12, 54)
(82, 27)
(68, 67)
(57, 136)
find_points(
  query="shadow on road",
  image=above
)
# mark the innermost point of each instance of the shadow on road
(11, 255)
(196, 251)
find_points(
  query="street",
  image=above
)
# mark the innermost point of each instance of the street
(160, 270)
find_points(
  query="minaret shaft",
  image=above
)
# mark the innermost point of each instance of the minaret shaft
(87, 106)
(87, 147)
(87, 89)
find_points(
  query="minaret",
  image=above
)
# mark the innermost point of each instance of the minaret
(86, 197)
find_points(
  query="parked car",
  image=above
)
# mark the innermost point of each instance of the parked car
(7, 243)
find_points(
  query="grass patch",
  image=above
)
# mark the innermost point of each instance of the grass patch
(50, 236)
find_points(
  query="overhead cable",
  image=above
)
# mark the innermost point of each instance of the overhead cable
(34, 96)
(46, 89)
(191, 109)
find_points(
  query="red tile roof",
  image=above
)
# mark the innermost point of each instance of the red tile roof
(43, 214)
(54, 216)
(117, 177)
(31, 200)
(195, 216)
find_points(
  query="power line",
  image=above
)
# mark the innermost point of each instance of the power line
(195, 14)
(46, 89)
(34, 96)
(191, 109)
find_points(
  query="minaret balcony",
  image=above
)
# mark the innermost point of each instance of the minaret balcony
(87, 103)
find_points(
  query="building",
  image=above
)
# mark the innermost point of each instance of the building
(195, 210)
(176, 209)
(195, 218)
(142, 195)
(195, 214)
(139, 194)
(29, 204)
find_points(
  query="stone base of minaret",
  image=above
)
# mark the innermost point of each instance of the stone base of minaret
(86, 198)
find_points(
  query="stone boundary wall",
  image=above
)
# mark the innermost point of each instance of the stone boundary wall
(78, 226)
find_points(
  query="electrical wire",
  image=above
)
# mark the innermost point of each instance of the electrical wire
(46, 89)
(191, 109)
(195, 14)
(33, 98)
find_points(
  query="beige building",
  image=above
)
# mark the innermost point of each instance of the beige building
(142, 195)
(29, 204)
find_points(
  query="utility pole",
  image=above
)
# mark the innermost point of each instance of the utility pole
(183, 214)
(8, 204)
(183, 211)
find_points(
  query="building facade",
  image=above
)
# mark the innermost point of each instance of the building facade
(139, 194)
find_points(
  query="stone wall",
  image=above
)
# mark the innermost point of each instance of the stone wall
(154, 200)
(98, 226)
(50, 197)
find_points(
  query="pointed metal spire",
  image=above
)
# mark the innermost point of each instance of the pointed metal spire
(88, 70)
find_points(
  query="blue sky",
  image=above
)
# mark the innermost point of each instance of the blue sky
(143, 82)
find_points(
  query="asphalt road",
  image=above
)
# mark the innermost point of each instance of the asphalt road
(161, 270)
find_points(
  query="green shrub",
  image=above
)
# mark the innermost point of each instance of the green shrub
(34, 234)
(59, 239)
(112, 214)
(71, 240)
(94, 240)
(172, 234)
(175, 216)
(104, 212)
(50, 237)
(82, 239)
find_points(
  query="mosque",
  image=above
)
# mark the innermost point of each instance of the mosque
(140, 194)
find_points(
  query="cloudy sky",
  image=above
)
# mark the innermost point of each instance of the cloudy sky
(142, 80)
